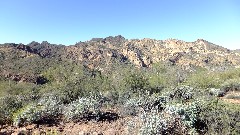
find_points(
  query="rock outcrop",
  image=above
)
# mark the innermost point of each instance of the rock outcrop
(100, 53)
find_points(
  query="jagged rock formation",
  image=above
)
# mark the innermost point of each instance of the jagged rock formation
(100, 53)
(199, 53)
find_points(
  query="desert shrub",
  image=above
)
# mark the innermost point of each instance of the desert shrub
(96, 82)
(157, 123)
(188, 113)
(206, 79)
(154, 101)
(173, 118)
(67, 92)
(4, 87)
(146, 102)
(231, 85)
(47, 108)
(117, 74)
(8, 105)
(182, 93)
(70, 92)
(221, 117)
(230, 74)
(22, 88)
(111, 98)
(203, 79)
(137, 82)
(130, 107)
(81, 86)
(26, 114)
(161, 76)
(81, 108)
(143, 80)
(123, 97)
(63, 73)
(14, 88)
(217, 92)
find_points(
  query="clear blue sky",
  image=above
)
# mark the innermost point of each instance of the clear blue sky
(70, 21)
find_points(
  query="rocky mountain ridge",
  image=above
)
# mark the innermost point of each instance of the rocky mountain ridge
(100, 53)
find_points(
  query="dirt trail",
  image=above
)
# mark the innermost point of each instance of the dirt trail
(117, 127)
(232, 97)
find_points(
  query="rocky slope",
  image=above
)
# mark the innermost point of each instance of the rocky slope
(25, 62)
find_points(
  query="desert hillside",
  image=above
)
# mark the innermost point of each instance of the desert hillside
(115, 85)
(21, 62)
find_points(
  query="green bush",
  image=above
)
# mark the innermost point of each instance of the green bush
(221, 117)
(80, 86)
(14, 88)
(8, 105)
(206, 79)
(164, 76)
(137, 82)
(231, 85)
(63, 73)
(230, 74)
(203, 79)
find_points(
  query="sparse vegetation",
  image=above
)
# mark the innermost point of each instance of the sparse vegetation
(160, 99)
